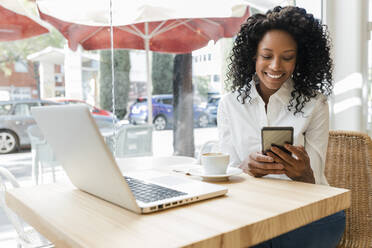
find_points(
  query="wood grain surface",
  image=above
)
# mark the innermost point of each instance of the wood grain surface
(254, 210)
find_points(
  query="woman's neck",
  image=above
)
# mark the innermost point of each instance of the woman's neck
(264, 92)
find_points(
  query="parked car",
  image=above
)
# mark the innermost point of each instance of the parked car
(162, 112)
(93, 109)
(15, 118)
(212, 106)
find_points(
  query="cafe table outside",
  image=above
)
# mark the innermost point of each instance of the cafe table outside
(254, 210)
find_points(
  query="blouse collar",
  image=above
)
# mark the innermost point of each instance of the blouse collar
(283, 94)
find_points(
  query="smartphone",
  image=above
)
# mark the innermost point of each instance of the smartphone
(276, 136)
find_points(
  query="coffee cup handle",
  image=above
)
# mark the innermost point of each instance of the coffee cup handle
(203, 147)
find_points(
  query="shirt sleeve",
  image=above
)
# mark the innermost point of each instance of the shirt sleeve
(316, 140)
(225, 134)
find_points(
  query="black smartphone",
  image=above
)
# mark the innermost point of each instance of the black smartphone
(276, 136)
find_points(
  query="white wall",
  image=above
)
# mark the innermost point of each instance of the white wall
(47, 84)
(137, 66)
(73, 74)
(347, 22)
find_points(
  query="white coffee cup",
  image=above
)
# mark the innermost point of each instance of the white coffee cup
(215, 163)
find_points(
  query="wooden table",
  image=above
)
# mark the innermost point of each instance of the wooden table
(254, 210)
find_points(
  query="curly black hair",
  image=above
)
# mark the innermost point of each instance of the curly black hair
(313, 71)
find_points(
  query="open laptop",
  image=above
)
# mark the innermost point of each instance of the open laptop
(91, 167)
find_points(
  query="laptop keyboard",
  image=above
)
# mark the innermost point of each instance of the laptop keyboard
(149, 192)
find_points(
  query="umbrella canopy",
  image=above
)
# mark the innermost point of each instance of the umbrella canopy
(172, 26)
(172, 36)
(162, 25)
(15, 24)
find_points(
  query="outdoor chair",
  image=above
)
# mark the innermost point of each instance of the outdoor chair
(349, 165)
(131, 141)
(27, 236)
(42, 154)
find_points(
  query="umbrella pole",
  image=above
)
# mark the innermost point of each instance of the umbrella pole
(148, 73)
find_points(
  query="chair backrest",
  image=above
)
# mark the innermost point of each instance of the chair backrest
(35, 133)
(134, 141)
(349, 165)
(44, 151)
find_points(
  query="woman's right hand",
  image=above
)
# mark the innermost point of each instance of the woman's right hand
(259, 165)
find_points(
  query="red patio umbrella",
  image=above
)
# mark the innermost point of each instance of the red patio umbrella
(17, 26)
(162, 26)
(170, 36)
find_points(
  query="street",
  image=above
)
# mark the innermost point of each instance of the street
(20, 165)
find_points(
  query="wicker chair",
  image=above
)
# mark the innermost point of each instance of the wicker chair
(349, 165)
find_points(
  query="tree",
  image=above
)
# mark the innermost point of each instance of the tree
(202, 83)
(183, 121)
(13, 51)
(121, 67)
(162, 73)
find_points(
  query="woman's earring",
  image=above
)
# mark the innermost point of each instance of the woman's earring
(296, 72)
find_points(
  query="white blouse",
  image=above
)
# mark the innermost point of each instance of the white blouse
(239, 126)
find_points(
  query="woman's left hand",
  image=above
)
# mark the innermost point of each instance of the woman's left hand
(297, 168)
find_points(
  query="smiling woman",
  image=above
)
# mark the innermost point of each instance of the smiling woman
(281, 74)
(275, 61)
(113, 78)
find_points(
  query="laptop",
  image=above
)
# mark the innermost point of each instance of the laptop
(78, 145)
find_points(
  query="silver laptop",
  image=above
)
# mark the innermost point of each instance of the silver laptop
(91, 167)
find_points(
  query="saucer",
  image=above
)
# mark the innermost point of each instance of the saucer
(231, 171)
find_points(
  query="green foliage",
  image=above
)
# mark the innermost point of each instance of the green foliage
(19, 50)
(121, 81)
(162, 73)
(202, 83)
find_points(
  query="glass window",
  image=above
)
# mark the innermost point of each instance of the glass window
(5, 108)
(20, 93)
(168, 101)
(20, 66)
(23, 109)
(117, 85)
(48, 103)
(314, 7)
